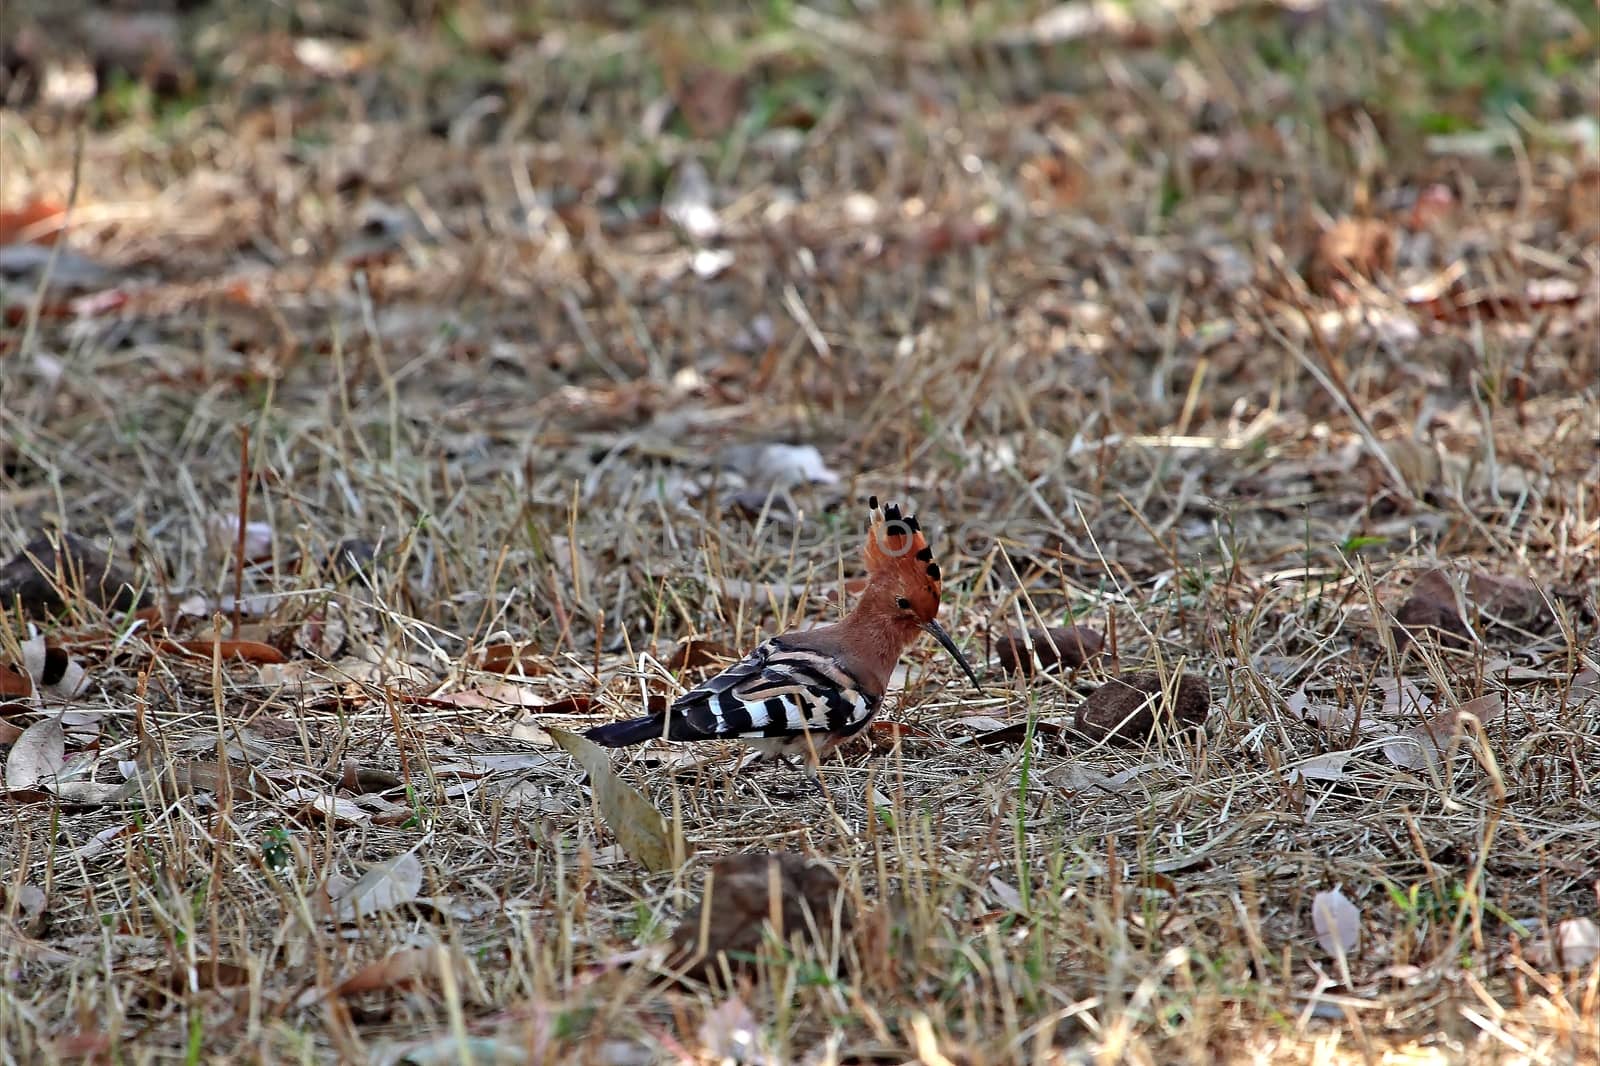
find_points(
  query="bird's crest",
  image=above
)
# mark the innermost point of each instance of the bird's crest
(898, 552)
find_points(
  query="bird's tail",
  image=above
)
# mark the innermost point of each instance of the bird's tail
(621, 734)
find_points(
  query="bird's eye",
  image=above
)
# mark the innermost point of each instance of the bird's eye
(903, 603)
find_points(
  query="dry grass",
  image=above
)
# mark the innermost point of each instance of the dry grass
(1098, 339)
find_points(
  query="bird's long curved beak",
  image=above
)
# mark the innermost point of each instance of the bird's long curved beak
(949, 645)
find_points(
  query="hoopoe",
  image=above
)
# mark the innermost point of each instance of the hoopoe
(808, 691)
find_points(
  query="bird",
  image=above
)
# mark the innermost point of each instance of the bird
(804, 692)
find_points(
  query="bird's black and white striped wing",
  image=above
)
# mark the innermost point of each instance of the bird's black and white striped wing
(778, 690)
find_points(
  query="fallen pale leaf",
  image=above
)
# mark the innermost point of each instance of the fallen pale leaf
(1573, 944)
(687, 202)
(222, 530)
(640, 829)
(37, 756)
(337, 808)
(1337, 922)
(384, 887)
(495, 694)
(1424, 743)
(1329, 767)
(729, 1032)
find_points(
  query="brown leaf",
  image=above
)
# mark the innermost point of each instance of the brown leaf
(640, 829)
(35, 222)
(1071, 647)
(14, 683)
(885, 735)
(1351, 248)
(572, 705)
(1583, 201)
(736, 908)
(1009, 732)
(248, 650)
(1125, 709)
(1511, 601)
(517, 657)
(89, 1045)
(1053, 182)
(363, 779)
(205, 975)
(402, 969)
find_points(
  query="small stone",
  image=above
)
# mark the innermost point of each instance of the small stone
(1431, 613)
(1509, 601)
(1070, 647)
(1124, 709)
(740, 909)
(37, 576)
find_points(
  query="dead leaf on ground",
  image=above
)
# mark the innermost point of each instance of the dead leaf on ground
(14, 683)
(222, 535)
(1076, 777)
(729, 1032)
(1573, 944)
(885, 735)
(250, 651)
(360, 779)
(493, 695)
(399, 970)
(687, 202)
(37, 757)
(52, 670)
(35, 222)
(532, 731)
(515, 657)
(774, 467)
(336, 808)
(62, 271)
(640, 829)
(1509, 601)
(1329, 767)
(480, 765)
(1351, 248)
(736, 908)
(383, 887)
(1424, 743)
(183, 979)
(29, 901)
(994, 732)
(1337, 922)
(1336, 718)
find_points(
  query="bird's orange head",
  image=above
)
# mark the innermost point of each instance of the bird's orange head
(900, 564)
